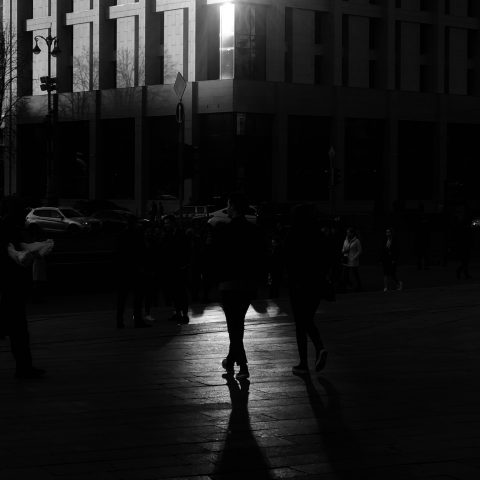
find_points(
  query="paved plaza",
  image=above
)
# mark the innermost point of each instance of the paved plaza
(398, 399)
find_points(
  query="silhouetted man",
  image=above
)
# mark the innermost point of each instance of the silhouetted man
(241, 263)
(16, 276)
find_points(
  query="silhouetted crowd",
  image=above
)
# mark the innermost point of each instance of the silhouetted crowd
(311, 259)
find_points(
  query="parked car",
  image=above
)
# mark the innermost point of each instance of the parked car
(59, 219)
(195, 211)
(115, 220)
(221, 216)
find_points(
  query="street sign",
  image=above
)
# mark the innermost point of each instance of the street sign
(180, 86)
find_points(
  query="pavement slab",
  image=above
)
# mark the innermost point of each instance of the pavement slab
(398, 398)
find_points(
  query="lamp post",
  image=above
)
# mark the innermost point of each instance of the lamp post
(49, 84)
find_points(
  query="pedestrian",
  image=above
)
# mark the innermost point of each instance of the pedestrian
(389, 255)
(175, 263)
(152, 269)
(309, 260)
(130, 272)
(16, 260)
(351, 251)
(241, 266)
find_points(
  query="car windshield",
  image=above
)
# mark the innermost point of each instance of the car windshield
(70, 212)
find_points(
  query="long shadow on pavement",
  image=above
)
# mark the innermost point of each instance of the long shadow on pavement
(342, 449)
(241, 456)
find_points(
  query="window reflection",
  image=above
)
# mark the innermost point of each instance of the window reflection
(227, 34)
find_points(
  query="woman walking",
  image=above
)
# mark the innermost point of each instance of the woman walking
(351, 251)
(308, 258)
(389, 258)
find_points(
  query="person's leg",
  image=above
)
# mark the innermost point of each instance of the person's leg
(20, 338)
(300, 313)
(235, 305)
(356, 275)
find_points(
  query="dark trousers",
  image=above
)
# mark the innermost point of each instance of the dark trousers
(235, 304)
(304, 300)
(12, 309)
(347, 271)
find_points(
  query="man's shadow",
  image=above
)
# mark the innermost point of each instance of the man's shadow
(342, 449)
(241, 455)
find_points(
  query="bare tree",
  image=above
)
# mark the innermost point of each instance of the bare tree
(9, 68)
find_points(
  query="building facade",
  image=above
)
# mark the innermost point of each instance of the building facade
(272, 85)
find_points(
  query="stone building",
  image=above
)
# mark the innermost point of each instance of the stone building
(392, 85)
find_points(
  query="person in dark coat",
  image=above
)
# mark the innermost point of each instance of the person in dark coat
(175, 264)
(15, 283)
(309, 257)
(389, 255)
(131, 273)
(241, 266)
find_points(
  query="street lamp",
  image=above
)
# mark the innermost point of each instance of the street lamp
(49, 84)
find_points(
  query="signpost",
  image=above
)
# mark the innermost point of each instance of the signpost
(179, 87)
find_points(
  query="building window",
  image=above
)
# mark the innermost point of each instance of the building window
(227, 39)
(250, 42)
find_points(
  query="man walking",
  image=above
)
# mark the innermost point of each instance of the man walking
(241, 264)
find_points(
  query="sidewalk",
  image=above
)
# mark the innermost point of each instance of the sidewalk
(398, 399)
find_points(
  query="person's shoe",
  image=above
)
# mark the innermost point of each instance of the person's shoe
(400, 285)
(321, 360)
(149, 318)
(228, 367)
(385, 290)
(184, 319)
(31, 372)
(243, 373)
(300, 369)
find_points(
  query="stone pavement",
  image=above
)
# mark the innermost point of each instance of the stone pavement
(399, 398)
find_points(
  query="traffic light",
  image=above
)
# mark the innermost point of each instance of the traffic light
(48, 84)
(337, 176)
